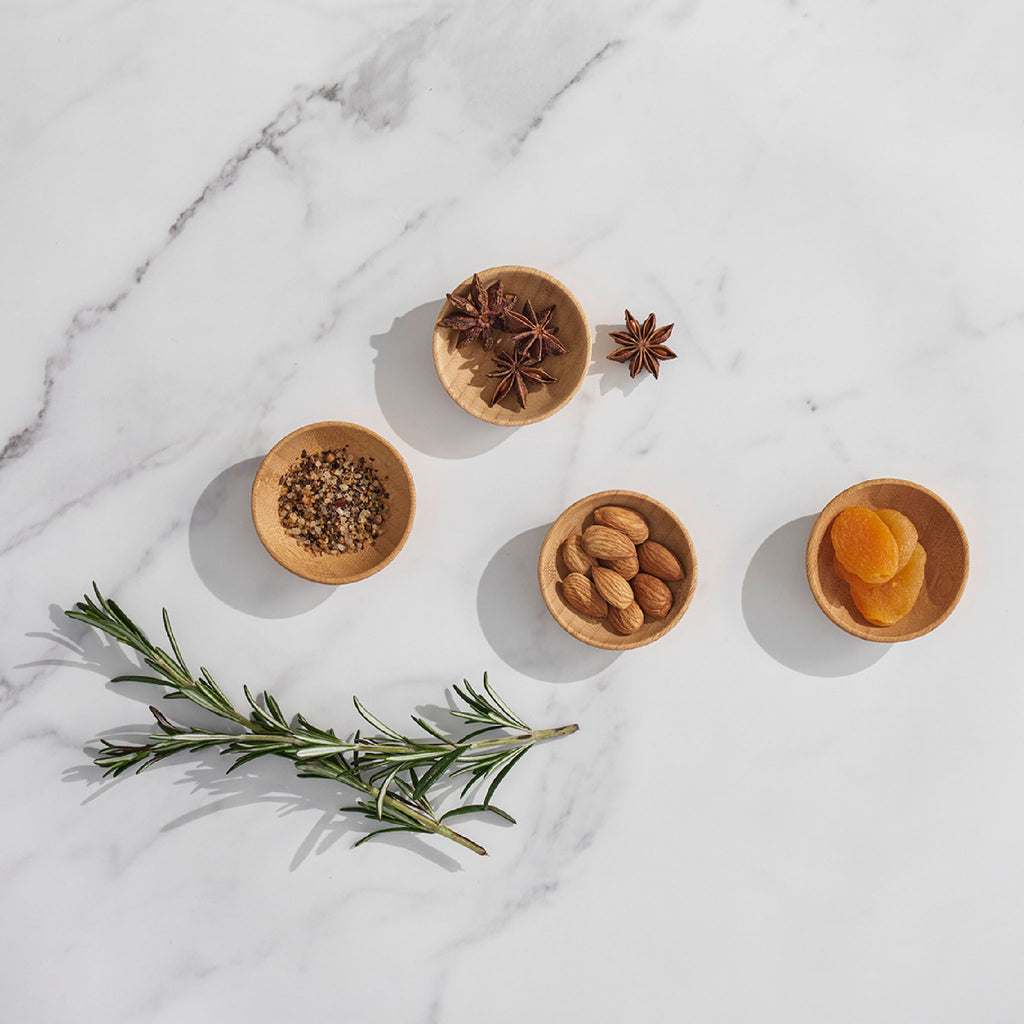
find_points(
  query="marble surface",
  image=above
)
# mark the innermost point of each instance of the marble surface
(224, 221)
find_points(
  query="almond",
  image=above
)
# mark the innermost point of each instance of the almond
(581, 593)
(652, 595)
(575, 558)
(625, 520)
(611, 586)
(657, 560)
(626, 620)
(626, 567)
(604, 542)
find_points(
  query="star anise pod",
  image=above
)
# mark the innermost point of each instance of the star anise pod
(515, 368)
(532, 332)
(478, 315)
(642, 345)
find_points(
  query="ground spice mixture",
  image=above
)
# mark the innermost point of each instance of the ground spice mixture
(332, 504)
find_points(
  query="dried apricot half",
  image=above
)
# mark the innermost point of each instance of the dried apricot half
(902, 529)
(865, 545)
(886, 603)
(842, 572)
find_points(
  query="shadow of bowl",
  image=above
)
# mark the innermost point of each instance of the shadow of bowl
(417, 410)
(783, 618)
(229, 559)
(517, 623)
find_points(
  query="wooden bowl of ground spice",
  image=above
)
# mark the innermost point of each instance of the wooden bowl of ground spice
(333, 502)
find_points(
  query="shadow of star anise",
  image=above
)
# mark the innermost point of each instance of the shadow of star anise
(642, 345)
(532, 332)
(515, 368)
(478, 315)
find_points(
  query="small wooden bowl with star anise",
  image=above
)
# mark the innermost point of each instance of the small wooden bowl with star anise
(512, 345)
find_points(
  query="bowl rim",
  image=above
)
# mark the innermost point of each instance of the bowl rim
(549, 553)
(497, 415)
(864, 630)
(263, 478)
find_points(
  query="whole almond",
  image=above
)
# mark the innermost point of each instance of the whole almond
(626, 620)
(580, 592)
(626, 567)
(604, 542)
(625, 520)
(657, 560)
(611, 586)
(575, 558)
(652, 595)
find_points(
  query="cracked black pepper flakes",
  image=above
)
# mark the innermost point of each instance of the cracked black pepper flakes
(332, 504)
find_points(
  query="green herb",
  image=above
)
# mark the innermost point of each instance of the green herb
(395, 774)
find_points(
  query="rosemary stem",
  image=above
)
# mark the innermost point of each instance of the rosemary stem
(525, 737)
(499, 741)
(415, 767)
(431, 823)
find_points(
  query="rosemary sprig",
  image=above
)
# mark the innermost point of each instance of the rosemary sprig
(394, 774)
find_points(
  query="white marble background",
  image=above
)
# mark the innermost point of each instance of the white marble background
(223, 220)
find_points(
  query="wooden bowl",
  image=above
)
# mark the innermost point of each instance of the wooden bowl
(665, 528)
(463, 372)
(939, 533)
(333, 568)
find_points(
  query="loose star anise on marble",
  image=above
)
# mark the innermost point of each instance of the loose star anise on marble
(642, 345)
(479, 314)
(532, 332)
(515, 368)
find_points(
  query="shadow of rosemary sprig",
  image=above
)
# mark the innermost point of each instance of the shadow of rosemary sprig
(395, 774)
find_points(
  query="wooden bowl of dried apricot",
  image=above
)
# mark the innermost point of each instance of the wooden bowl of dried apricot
(887, 560)
(617, 570)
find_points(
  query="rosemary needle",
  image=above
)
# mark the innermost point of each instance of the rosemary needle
(394, 774)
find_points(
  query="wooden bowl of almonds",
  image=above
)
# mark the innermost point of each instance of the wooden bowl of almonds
(617, 570)
(512, 345)
(333, 502)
